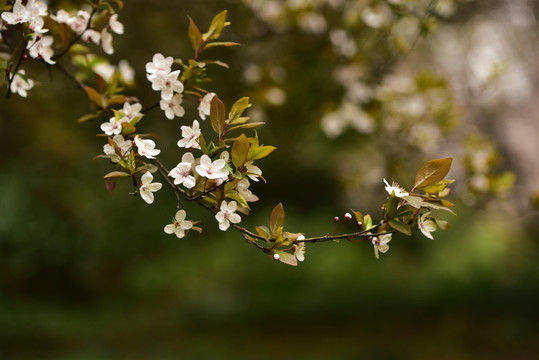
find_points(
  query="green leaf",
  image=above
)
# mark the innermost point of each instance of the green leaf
(400, 227)
(277, 218)
(217, 25)
(94, 96)
(437, 207)
(215, 44)
(240, 150)
(127, 128)
(414, 201)
(217, 115)
(116, 174)
(432, 172)
(367, 222)
(259, 152)
(88, 117)
(238, 108)
(195, 37)
(287, 258)
(246, 126)
(116, 100)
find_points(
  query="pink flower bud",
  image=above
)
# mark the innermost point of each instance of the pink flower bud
(336, 219)
(347, 217)
(276, 256)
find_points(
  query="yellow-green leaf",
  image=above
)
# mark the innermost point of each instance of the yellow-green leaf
(217, 25)
(215, 44)
(432, 172)
(195, 37)
(116, 174)
(400, 227)
(94, 96)
(240, 150)
(277, 218)
(238, 108)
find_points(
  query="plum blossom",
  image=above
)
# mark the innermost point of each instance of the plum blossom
(227, 215)
(146, 148)
(20, 84)
(116, 26)
(190, 136)
(380, 244)
(204, 106)
(396, 189)
(92, 36)
(426, 225)
(167, 83)
(123, 146)
(159, 63)
(182, 172)
(43, 48)
(172, 107)
(79, 22)
(243, 190)
(61, 16)
(148, 188)
(126, 71)
(106, 42)
(180, 225)
(212, 170)
(299, 249)
(19, 14)
(252, 171)
(113, 127)
(131, 110)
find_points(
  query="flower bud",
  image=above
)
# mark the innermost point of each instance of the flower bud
(276, 256)
(359, 225)
(301, 237)
(336, 219)
(347, 217)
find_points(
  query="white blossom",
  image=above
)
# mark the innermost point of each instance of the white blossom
(190, 136)
(159, 63)
(146, 148)
(123, 146)
(106, 42)
(126, 71)
(62, 16)
(112, 127)
(243, 190)
(18, 15)
(148, 188)
(43, 48)
(79, 22)
(212, 170)
(92, 36)
(204, 106)
(182, 172)
(396, 189)
(105, 70)
(252, 171)
(299, 249)
(131, 110)
(115, 25)
(21, 84)
(180, 225)
(167, 83)
(227, 215)
(426, 225)
(381, 244)
(172, 107)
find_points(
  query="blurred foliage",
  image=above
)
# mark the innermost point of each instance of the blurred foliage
(82, 278)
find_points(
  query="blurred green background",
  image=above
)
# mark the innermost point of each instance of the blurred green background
(85, 274)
